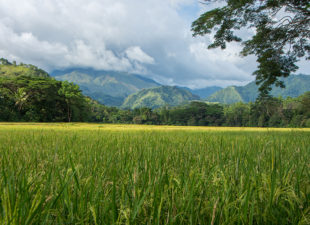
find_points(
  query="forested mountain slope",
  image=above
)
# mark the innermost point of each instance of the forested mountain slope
(295, 85)
(107, 87)
(158, 97)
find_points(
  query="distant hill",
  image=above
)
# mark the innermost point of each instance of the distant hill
(295, 85)
(158, 97)
(206, 92)
(107, 87)
(203, 92)
(227, 95)
(8, 69)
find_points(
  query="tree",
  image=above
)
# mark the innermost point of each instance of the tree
(73, 98)
(4, 62)
(20, 97)
(282, 34)
(266, 111)
(304, 109)
(237, 114)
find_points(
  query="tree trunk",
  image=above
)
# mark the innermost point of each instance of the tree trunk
(68, 113)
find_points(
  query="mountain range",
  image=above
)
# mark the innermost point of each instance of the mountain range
(127, 90)
(295, 85)
(112, 88)
(107, 87)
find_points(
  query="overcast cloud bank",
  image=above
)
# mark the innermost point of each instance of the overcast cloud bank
(150, 37)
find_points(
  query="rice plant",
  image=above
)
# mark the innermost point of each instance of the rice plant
(117, 174)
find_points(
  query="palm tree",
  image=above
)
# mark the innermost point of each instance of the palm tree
(20, 97)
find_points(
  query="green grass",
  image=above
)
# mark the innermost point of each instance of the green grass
(153, 176)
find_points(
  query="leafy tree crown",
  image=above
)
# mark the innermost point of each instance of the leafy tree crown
(282, 34)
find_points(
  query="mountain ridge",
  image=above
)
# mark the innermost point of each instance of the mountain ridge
(203, 92)
(158, 97)
(112, 88)
(107, 87)
(295, 85)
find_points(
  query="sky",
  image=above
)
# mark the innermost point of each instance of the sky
(148, 37)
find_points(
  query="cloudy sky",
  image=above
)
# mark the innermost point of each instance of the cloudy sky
(150, 37)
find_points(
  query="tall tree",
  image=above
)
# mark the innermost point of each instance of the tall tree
(20, 97)
(281, 38)
(73, 98)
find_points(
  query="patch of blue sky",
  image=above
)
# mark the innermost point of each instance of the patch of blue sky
(189, 12)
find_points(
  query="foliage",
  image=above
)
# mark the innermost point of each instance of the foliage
(237, 114)
(194, 114)
(281, 34)
(74, 99)
(32, 95)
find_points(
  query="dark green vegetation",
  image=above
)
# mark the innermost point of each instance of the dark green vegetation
(282, 34)
(295, 85)
(68, 176)
(29, 94)
(159, 97)
(107, 87)
(266, 112)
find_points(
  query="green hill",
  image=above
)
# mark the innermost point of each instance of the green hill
(107, 87)
(28, 93)
(203, 92)
(158, 97)
(8, 69)
(227, 95)
(295, 85)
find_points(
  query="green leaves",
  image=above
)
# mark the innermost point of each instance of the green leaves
(29, 94)
(278, 43)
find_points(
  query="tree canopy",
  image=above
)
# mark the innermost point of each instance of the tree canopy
(281, 37)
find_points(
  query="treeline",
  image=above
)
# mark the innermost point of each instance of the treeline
(41, 100)
(30, 94)
(264, 112)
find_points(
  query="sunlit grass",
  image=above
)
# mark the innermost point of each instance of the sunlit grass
(124, 127)
(136, 174)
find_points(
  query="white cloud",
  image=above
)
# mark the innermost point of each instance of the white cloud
(136, 54)
(152, 37)
(216, 61)
(83, 55)
(104, 34)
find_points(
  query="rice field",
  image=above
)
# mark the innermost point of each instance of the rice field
(130, 174)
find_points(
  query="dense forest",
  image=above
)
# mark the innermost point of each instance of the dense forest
(28, 93)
